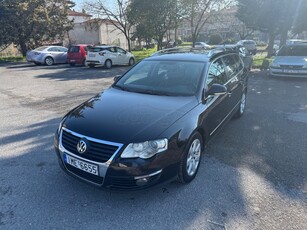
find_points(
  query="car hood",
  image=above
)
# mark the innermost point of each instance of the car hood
(127, 117)
(290, 60)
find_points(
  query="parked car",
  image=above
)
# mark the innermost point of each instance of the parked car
(108, 56)
(295, 41)
(245, 55)
(48, 55)
(153, 123)
(202, 45)
(250, 45)
(291, 61)
(77, 54)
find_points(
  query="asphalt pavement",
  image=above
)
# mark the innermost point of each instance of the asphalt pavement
(253, 174)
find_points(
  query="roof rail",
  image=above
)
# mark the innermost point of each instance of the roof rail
(185, 49)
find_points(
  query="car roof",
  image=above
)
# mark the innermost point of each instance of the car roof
(189, 54)
(103, 46)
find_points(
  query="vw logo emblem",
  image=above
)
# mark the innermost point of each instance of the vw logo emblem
(81, 146)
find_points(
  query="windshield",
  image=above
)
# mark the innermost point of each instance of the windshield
(172, 78)
(293, 51)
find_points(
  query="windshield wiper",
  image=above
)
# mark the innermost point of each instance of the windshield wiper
(153, 92)
(121, 87)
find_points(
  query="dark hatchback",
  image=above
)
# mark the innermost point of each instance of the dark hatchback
(152, 124)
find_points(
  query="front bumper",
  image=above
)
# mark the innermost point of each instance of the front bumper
(122, 174)
(282, 72)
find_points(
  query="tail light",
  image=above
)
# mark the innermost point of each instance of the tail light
(36, 53)
(101, 53)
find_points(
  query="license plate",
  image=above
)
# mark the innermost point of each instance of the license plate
(84, 166)
(92, 55)
(290, 71)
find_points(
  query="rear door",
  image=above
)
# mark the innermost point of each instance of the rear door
(234, 70)
(73, 53)
(122, 56)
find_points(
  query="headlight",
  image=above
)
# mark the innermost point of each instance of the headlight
(145, 150)
(61, 124)
(274, 64)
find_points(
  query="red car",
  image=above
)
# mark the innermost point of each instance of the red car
(76, 54)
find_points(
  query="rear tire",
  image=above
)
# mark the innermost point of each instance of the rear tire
(190, 160)
(91, 65)
(49, 61)
(242, 106)
(72, 64)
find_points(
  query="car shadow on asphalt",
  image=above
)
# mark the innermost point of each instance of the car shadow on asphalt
(31, 178)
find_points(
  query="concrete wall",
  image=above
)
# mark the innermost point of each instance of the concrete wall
(96, 33)
(109, 34)
(84, 34)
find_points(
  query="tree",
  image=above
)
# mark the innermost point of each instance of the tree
(157, 16)
(300, 17)
(116, 13)
(198, 13)
(29, 23)
(273, 17)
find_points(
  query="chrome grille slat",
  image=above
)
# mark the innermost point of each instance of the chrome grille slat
(98, 152)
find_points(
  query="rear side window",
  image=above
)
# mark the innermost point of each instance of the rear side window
(112, 49)
(216, 74)
(233, 65)
(74, 49)
(96, 49)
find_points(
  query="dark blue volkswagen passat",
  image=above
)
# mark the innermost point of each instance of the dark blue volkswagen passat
(152, 124)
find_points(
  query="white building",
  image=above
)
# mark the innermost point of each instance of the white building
(94, 31)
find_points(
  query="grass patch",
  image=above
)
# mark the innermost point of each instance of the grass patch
(140, 55)
(12, 59)
(258, 60)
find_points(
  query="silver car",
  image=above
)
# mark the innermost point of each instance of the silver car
(48, 55)
(291, 61)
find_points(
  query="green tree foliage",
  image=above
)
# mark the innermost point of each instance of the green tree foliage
(116, 11)
(199, 13)
(153, 18)
(29, 23)
(300, 17)
(274, 17)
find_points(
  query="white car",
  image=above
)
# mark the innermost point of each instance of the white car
(250, 45)
(291, 61)
(108, 56)
(202, 45)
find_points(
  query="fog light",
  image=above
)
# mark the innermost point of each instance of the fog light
(142, 181)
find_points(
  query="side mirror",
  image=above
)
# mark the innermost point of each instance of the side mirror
(216, 89)
(116, 78)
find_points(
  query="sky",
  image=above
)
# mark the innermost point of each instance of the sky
(79, 4)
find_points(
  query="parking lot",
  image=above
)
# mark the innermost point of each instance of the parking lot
(253, 174)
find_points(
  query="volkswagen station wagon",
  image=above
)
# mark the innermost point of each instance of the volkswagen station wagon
(152, 124)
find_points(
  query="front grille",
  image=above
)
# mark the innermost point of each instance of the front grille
(292, 66)
(85, 175)
(96, 151)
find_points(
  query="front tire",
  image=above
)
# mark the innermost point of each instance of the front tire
(131, 61)
(49, 61)
(108, 64)
(191, 159)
